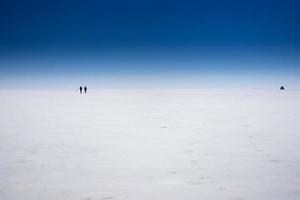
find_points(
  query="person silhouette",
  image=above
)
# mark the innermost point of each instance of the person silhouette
(80, 89)
(85, 89)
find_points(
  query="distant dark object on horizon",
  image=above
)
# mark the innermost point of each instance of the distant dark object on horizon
(281, 88)
(80, 89)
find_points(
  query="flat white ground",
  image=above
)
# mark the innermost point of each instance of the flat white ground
(150, 145)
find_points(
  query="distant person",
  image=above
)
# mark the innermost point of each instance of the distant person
(80, 89)
(85, 89)
(281, 88)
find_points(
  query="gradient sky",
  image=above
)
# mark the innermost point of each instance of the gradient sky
(158, 43)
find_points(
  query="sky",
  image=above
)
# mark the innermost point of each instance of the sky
(157, 43)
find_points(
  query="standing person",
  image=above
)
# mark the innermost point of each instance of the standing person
(80, 89)
(85, 89)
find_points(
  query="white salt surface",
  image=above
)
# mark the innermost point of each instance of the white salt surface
(150, 145)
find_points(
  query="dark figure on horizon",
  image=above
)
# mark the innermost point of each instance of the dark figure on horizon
(281, 88)
(85, 89)
(80, 89)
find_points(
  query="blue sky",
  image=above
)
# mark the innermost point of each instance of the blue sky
(203, 43)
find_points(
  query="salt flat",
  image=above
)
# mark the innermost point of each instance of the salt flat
(150, 145)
